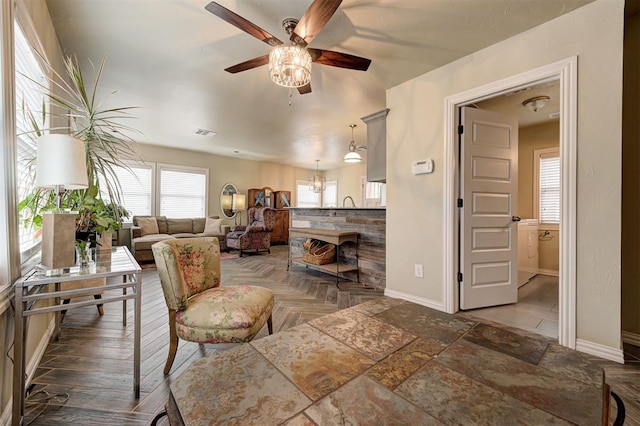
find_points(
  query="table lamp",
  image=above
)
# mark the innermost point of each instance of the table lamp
(238, 204)
(61, 166)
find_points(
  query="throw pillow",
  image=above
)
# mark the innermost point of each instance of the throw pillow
(212, 226)
(148, 225)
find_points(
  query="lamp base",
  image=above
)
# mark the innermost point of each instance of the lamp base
(58, 240)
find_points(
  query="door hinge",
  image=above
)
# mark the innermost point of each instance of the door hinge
(460, 129)
(460, 203)
(459, 277)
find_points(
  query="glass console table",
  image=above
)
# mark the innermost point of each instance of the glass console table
(37, 285)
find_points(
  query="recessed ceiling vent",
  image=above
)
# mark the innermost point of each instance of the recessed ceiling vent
(204, 132)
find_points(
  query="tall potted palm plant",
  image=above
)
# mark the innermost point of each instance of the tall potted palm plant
(107, 143)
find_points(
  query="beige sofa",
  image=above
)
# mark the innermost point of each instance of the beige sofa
(168, 228)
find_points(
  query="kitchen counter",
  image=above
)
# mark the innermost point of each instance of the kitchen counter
(369, 223)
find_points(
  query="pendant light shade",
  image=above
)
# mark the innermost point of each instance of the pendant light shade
(352, 156)
(317, 183)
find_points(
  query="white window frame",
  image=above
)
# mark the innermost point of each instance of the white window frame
(372, 202)
(183, 169)
(326, 200)
(305, 184)
(537, 155)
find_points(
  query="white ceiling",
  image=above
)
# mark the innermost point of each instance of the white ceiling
(168, 57)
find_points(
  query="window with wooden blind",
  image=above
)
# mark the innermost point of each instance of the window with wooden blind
(547, 194)
(183, 191)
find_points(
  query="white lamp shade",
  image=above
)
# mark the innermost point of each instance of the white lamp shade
(239, 202)
(61, 161)
(352, 157)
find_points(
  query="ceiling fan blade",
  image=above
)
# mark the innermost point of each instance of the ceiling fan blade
(247, 65)
(313, 20)
(303, 90)
(241, 23)
(337, 59)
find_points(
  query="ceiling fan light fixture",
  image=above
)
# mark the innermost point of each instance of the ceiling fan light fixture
(290, 66)
(536, 104)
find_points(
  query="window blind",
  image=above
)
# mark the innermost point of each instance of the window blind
(182, 193)
(305, 197)
(549, 189)
(29, 97)
(136, 185)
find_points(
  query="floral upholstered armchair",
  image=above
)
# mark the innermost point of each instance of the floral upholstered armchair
(257, 234)
(200, 310)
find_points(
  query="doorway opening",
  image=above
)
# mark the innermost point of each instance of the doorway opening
(565, 74)
(536, 207)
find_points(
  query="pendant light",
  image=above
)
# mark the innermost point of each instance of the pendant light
(352, 156)
(317, 183)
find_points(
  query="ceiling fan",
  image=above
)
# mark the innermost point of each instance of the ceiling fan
(290, 65)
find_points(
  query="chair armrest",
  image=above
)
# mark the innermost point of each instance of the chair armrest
(136, 232)
(256, 228)
(239, 228)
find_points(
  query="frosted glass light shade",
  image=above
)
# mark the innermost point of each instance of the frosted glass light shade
(61, 161)
(290, 66)
(239, 202)
(352, 157)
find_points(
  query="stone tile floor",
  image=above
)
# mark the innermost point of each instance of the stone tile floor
(388, 361)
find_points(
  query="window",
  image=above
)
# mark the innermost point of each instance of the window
(183, 191)
(547, 192)
(29, 98)
(373, 193)
(306, 197)
(330, 197)
(137, 189)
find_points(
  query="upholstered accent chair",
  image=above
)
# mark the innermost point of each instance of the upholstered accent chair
(257, 234)
(200, 310)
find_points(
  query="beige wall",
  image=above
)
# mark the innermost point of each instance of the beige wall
(631, 180)
(530, 138)
(349, 179)
(415, 130)
(244, 174)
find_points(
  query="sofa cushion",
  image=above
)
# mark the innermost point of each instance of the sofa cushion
(184, 235)
(198, 225)
(212, 226)
(180, 226)
(148, 225)
(163, 227)
(145, 242)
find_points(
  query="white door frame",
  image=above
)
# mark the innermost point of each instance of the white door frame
(566, 71)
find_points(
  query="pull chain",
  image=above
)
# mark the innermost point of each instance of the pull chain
(290, 97)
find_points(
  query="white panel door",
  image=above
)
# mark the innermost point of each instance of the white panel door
(488, 221)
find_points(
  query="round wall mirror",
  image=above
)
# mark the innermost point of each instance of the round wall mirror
(226, 197)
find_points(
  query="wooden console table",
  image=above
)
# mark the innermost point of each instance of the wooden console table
(35, 286)
(329, 236)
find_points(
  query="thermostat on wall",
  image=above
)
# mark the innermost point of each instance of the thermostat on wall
(421, 167)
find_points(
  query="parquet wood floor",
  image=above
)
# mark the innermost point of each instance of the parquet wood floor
(92, 363)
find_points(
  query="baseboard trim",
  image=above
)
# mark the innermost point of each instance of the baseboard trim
(631, 338)
(606, 352)
(438, 306)
(549, 272)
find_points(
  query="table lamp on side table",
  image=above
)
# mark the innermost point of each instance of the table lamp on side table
(61, 165)
(238, 205)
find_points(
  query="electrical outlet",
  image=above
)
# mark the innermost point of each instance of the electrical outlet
(417, 268)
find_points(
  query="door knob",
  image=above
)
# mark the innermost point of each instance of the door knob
(516, 218)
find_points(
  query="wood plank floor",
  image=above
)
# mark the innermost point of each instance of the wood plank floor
(87, 375)
(93, 361)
